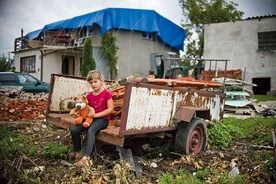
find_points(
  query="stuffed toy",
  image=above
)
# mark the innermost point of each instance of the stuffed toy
(86, 112)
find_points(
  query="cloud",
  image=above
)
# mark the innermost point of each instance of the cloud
(31, 15)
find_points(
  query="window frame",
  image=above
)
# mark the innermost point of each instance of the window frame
(28, 64)
(267, 41)
(149, 35)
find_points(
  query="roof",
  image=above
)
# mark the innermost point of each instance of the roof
(262, 17)
(121, 18)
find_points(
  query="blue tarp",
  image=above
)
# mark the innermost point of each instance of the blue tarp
(121, 18)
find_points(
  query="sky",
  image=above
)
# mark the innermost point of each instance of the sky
(31, 15)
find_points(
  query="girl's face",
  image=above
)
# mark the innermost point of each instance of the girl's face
(95, 84)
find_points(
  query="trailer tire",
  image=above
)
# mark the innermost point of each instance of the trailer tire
(191, 137)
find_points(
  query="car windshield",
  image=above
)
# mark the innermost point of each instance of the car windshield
(26, 79)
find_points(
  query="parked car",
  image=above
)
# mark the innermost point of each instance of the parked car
(29, 83)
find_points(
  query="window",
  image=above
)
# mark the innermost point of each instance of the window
(267, 40)
(26, 79)
(7, 79)
(148, 36)
(28, 64)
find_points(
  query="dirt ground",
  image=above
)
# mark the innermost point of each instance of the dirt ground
(153, 156)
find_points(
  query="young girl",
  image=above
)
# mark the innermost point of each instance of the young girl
(101, 100)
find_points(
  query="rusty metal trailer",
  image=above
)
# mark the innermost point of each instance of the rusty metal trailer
(147, 109)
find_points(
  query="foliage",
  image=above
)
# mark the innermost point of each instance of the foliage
(110, 53)
(203, 174)
(5, 65)
(88, 60)
(54, 150)
(179, 177)
(221, 135)
(258, 129)
(263, 98)
(8, 143)
(9, 146)
(200, 12)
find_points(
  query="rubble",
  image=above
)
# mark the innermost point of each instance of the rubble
(23, 107)
(240, 100)
(19, 106)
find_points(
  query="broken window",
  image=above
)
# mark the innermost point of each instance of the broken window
(267, 40)
(28, 64)
(148, 36)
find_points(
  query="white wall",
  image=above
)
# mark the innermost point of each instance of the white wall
(28, 53)
(134, 53)
(238, 41)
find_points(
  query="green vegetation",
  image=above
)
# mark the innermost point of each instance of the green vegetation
(5, 63)
(110, 53)
(263, 98)
(257, 129)
(15, 149)
(220, 136)
(54, 150)
(21, 149)
(88, 60)
(179, 177)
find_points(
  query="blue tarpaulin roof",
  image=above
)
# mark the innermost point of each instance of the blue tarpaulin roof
(121, 18)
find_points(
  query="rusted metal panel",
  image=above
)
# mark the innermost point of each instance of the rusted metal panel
(187, 113)
(150, 107)
(65, 89)
(213, 101)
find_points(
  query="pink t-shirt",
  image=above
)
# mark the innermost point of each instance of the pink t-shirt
(99, 102)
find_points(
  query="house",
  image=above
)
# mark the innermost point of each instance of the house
(250, 45)
(58, 46)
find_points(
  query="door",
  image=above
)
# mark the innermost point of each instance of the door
(68, 65)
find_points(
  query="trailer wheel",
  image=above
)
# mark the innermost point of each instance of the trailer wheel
(191, 137)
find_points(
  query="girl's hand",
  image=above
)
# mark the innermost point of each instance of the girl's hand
(76, 114)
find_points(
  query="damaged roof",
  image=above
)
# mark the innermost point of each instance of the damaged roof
(122, 18)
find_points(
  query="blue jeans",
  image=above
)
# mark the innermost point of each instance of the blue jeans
(98, 124)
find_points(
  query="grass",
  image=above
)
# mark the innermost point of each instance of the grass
(263, 98)
(256, 129)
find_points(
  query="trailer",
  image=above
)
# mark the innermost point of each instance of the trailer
(147, 109)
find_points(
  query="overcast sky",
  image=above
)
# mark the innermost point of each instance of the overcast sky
(31, 15)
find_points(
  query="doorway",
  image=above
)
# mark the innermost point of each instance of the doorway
(68, 65)
(263, 85)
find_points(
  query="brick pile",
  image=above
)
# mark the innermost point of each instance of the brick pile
(210, 74)
(23, 110)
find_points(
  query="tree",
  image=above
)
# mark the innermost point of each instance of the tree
(110, 53)
(5, 64)
(88, 60)
(201, 12)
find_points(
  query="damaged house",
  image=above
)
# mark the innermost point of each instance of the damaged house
(250, 46)
(58, 46)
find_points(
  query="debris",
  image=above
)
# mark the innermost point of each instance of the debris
(25, 107)
(126, 155)
(153, 165)
(265, 147)
(234, 171)
(66, 163)
(274, 141)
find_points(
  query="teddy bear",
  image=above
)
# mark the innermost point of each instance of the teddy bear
(85, 111)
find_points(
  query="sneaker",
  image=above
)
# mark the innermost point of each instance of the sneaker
(78, 156)
(82, 162)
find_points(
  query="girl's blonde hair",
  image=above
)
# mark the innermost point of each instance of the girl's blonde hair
(94, 74)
